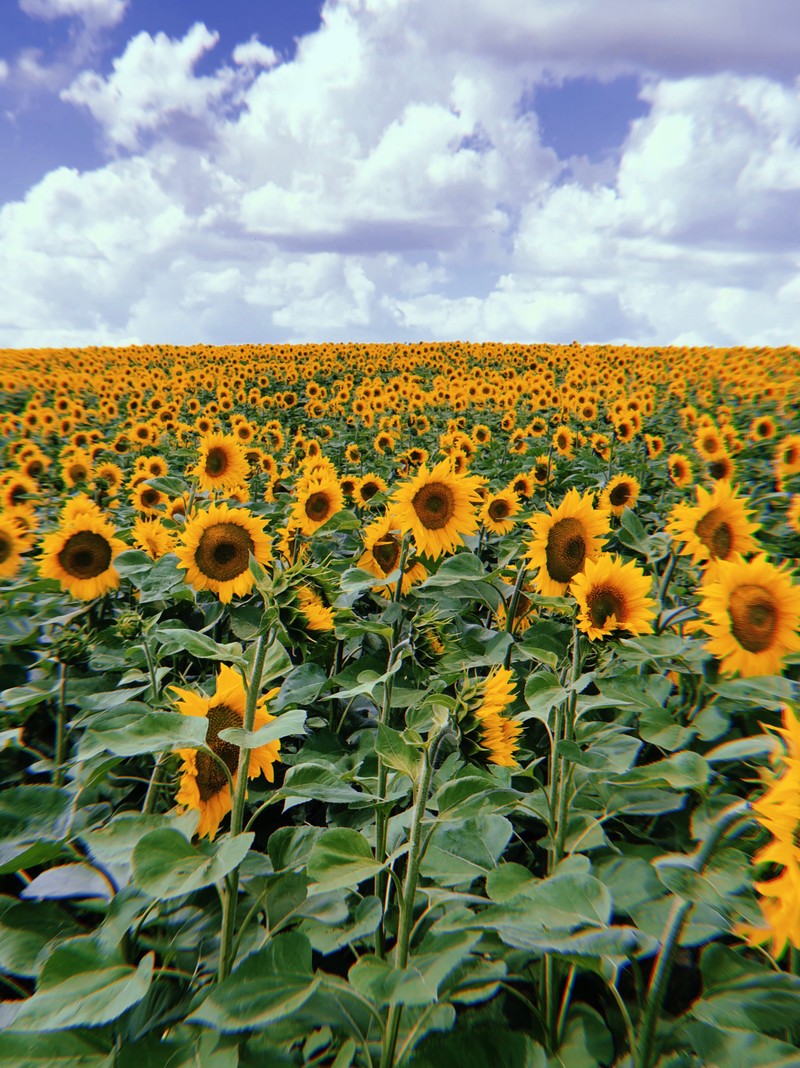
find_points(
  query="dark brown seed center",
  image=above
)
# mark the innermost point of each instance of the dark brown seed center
(223, 551)
(620, 494)
(499, 510)
(566, 550)
(216, 462)
(5, 548)
(318, 507)
(434, 505)
(715, 533)
(753, 616)
(210, 776)
(85, 555)
(387, 553)
(604, 602)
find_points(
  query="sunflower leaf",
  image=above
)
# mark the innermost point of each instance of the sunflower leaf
(166, 865)
(291, 722)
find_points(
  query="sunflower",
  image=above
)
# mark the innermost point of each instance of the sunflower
(383, 544)
(655, 446)
(499, 734)
(215, 550)
(613, 595)
(12, 546)
(76, 468)
(787, 454)
(709, 443)
(147, 499)
(152, 537)
(753, 615)
(563, 441)
(317, 500)
(680, 470)
(715, 528)
(437, 507)
(793, 513)
(317, 615)
(222, 462)
(18, 489)
(368, 486)
(543, 469)
(204, 785)
(564, 540)
(722, 469)
(80, 555)
(498, 511)
(620, 493)
(763, 428)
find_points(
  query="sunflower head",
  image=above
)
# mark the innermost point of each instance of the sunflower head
(613, 596)
(621, 492)
(80, 556)
(752, 615)
(715, 528)
(215, 550)
(437, 507)
(498, 511)
(564, 540)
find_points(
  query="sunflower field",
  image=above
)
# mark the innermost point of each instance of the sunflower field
(507, 639)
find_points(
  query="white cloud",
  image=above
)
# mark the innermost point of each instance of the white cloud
(389, 182)
(152, 83)
(254, 54)
(95, 13)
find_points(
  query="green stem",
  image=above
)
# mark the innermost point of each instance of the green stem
(151, 668)
(511, 610)
(231, 892)
(643, 1056)
(381, 816)
(61, 731)
(407, 909)
(152, 787)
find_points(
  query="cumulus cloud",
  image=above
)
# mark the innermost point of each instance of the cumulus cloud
(96, 13)
(391, 182)
(152, 83)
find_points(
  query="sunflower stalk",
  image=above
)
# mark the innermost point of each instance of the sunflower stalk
(511, 611)
(679, 914)
(231, 890)
(381, 816)
(406, 921)
(60, 746)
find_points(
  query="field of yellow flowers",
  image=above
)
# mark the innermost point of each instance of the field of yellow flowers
(400, 705)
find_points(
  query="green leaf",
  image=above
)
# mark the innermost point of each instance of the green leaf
(328, 938)
(341, 857)
(268, 986)
(484, 1043)
(25, 930)
(79, 988)
(740, 749)
(685, 770)
(176, 639)
(461, 852)
(66, 1050)
(165, 865)
(543, 692)
(471, 795)
(419, 982)
(319, 782)
(397, 752)
(128, 732)
(69, 881)
(301, 686)
(31, 817)
(740, 993)
(288, 723)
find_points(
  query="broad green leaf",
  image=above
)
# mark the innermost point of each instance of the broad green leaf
(177, 639)
(471, 795)
(327, 938)
(418, 983)
(32, 817)
(284, 725)
(268, 986)
(319, 782)
(483, 1043)
(743, 994)
(341, 857)
(461, 852)
(165, 865)
(397, 752)
(685, 770)
(79, 988)
(543, 692)
(66, 1050)
(129, 732)
(301, 686)
(69, 881)
(26, 928)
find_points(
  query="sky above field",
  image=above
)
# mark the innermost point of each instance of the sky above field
(224, 171)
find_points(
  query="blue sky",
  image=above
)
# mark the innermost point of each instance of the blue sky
(245, 170)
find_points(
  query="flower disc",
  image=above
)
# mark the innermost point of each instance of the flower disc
(564, 540)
